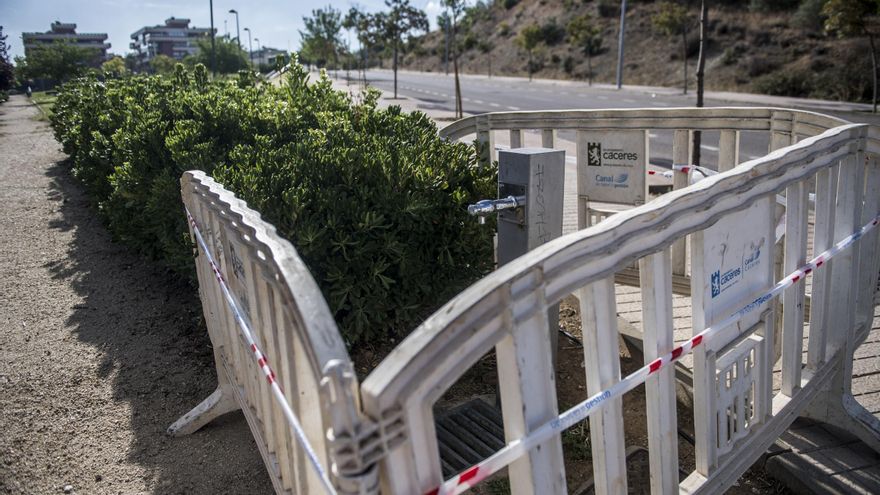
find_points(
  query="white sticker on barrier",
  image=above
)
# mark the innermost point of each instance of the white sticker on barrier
(731, 262)
(612, 166)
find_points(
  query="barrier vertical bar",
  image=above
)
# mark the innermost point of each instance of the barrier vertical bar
(823, 239)
(847, 211)
(728, 150)
(516, 138)
(602, 366)
(656, 285)
(868, 266)
(793, 299)
(527, 381)
(681, 155)
(548, 138)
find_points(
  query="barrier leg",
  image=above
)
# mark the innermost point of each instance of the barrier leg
(220, 402)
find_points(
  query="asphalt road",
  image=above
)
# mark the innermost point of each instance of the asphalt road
(480, 95)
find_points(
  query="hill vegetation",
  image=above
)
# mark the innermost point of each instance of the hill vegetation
(774, 47)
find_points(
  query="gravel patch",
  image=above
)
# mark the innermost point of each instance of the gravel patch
(100, 350)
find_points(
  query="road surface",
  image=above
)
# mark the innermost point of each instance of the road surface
(435, 91)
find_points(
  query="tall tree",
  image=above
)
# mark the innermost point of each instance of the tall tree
(701, 72)
(229, 57)
(528, 40)
(456, 8)
(115, 67)
(401, 21)
(361, 23)
(583, 32)
(58, 61)
(7, 71)
(320, 40)
(856, 18)
(672, 20)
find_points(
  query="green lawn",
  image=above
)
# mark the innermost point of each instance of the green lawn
(44, 101)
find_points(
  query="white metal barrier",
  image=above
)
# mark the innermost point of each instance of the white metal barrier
(391, 434)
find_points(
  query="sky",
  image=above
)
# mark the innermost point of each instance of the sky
(276, 23)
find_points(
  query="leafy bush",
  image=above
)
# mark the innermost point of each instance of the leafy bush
(552, 33)
(372, 199)
(785, 83)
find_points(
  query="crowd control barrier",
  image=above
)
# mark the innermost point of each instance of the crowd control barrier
(280, 357)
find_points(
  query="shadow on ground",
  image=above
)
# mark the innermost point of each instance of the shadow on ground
(149, 329)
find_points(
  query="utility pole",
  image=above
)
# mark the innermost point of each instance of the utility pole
(213, 48)
(620, 44)
(701, 68)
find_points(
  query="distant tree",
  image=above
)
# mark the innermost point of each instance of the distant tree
(163, 64)
(320, 40)
(528, 39)
(57, 62)
(361, 23)
(132, 63)
(583, 32)
(229, 57)
(398, 24)
(115, 67)
(456, 9)
(672, 20)
(856, 18)
(7, 70)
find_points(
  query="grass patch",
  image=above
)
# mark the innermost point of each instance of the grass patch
(45, 102)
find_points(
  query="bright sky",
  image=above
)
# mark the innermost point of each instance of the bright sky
(275, 22)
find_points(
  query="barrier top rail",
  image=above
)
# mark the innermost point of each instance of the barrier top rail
(428, 362)
(713, 118)
(319, 329)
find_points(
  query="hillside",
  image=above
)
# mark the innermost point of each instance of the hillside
(783, 52)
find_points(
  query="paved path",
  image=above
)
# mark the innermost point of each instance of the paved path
(99, 352)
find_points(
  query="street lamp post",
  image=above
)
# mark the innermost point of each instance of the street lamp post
(213, 49)
(237, 32)
(258, 52)
(250, 48)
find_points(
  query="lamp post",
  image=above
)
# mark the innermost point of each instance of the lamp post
(250, 48)
(237, 32)
(260, 55)
(213, 49)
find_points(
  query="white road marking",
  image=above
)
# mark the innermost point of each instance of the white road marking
(600, 97)
(494, 105)
(708, 147)
(628, 100)
(478, 102)
(513, 108)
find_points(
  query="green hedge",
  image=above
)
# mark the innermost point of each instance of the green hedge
(373, 200)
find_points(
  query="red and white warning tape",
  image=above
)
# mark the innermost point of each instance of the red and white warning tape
(263, 363)
(517, 448)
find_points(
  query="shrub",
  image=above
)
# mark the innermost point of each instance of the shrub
(552, 33)
(373, 199)
(608, 8)
(509, 4)
(785, 83)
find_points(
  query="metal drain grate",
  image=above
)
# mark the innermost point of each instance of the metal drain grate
(467, 434)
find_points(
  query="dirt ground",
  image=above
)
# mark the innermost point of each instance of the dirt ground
(99, 350)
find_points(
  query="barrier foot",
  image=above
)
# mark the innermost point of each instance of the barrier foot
(846, 413)
(217, 404)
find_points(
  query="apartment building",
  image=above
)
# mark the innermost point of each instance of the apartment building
(175, 39)
(66, 31)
